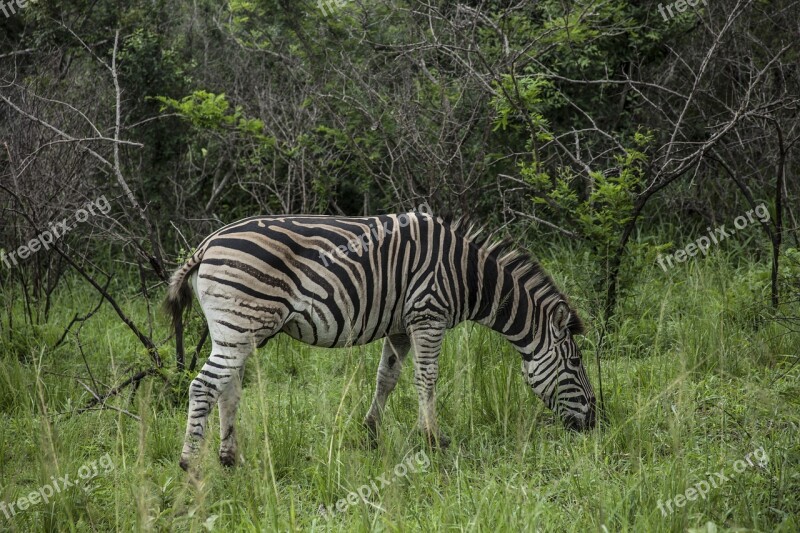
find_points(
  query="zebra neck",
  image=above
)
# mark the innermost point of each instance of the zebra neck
(506, 305)
(513, 309)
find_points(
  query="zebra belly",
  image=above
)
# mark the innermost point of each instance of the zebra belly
(327, 334)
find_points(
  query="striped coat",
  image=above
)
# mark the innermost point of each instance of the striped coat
(337, 281)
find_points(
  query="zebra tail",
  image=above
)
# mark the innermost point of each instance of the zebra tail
(179, 297)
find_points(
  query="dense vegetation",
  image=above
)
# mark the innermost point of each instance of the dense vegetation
(647, 160)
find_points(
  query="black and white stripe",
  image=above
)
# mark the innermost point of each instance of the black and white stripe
(337, 281)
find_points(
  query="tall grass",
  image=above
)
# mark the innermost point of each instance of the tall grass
(694, 381)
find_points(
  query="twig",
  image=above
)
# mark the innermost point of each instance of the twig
(105, 405)
(548, 224)
(135, 379)
(89, 315)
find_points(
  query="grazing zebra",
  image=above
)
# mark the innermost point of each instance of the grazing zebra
(337, 281)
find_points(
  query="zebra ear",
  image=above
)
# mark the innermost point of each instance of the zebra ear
(576, 326)
(565, 319)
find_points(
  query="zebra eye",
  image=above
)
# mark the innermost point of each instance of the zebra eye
(575, 361)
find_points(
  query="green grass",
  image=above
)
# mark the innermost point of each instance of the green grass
(694, 380)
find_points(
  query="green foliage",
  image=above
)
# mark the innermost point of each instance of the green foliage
(210, 111)
(245, 23)
(533, 92)
(610, 202)
(147, 67)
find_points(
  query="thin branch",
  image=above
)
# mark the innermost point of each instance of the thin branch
(104, 405)
(76, 318)
(133, 380)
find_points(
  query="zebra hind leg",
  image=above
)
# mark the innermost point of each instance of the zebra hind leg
(395, 349)
(228, 404)
(218, 379)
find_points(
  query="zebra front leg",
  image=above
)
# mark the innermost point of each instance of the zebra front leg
(204, 391)
(395, 349)
(427, 344)
(228, 404)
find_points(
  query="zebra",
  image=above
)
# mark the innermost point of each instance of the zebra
(407, 278)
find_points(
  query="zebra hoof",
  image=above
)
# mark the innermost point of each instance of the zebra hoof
(227, 459)
(372, 433)
(437, 441)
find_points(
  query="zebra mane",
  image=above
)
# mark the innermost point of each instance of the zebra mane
(509, 257)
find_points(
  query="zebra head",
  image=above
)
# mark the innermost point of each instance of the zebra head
(555, 370)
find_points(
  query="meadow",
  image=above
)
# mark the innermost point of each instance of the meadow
(698, 377)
